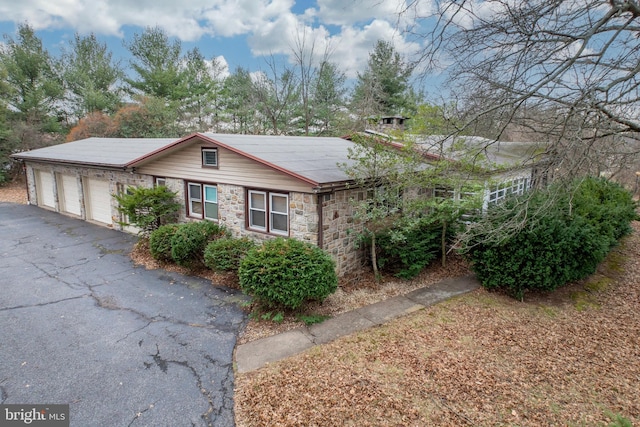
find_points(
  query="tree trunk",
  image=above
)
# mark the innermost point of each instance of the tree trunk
(374, 258)
(443, 243)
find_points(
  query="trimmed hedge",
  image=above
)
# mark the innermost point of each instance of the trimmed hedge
(190, 240)
(226, 253)
(574, 232)
(286, 273)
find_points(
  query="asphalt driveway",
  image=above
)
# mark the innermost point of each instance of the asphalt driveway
(123, 346)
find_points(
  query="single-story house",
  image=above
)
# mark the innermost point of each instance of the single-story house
(260, 186)
(255, 185)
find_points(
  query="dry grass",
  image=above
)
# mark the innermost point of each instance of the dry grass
(479, 360)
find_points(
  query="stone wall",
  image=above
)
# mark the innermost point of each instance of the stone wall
(340, 230)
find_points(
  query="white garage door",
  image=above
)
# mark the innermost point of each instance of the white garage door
(44, 189)
(98, 200)
(68, 194)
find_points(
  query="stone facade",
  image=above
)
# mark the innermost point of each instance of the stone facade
(340, 230)
(338, 234)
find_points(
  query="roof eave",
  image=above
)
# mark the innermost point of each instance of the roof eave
(67, 162)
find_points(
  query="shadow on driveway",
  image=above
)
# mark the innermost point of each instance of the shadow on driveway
(123, 346)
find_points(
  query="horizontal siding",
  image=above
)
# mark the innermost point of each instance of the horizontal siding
(233, 169)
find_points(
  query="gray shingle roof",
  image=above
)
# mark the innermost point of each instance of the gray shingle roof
(492, 153)
(314, 158)
(106, 152)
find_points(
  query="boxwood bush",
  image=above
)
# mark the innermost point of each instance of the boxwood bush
(190, 240)
(160, 242)
(573, 230)
(226, 253)
(286, 273)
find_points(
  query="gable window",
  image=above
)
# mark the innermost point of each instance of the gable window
(268, 212)
(210, 157)
(202, 201)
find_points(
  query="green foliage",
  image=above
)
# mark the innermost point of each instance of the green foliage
(91, 76)
(226, 253)
(190, 240)
(618, 420)
(571, 232)
(287, 273)
(160, 242)
(148, 208)
(34, 85)
(384, 85)
(156, 62)
(312, 319)
(151, 117)
(408, 247)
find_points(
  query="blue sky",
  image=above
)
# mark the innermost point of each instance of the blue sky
(238, 32)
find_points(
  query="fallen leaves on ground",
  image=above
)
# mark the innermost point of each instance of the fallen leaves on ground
(482, 359)
(14, 192)
(567, 358)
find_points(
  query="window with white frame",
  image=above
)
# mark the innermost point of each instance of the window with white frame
(210, 157)
(268, 212)
(210, 202)
(194, 200)
(160, 182)
(202, 201)
(279, 213)
(500, 191)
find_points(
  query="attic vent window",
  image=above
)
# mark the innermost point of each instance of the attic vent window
(210, 157)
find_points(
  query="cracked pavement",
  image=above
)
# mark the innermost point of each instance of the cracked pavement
(123, 346)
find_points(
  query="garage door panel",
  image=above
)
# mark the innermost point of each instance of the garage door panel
(69, 194)
(44, 189)
(98, 200)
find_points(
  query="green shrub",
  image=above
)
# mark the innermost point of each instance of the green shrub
(407, 248)
(190, 240)
(607, 206)
(573, 230)
(160, 242)
(148, 208)
(287, 273)
(225, 254)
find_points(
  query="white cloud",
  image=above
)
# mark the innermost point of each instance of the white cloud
(349, 29)
(340, 12)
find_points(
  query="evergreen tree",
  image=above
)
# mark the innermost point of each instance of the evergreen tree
(34, 86)
(383, 88)
(91, 76)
